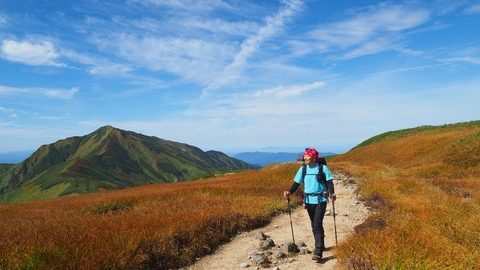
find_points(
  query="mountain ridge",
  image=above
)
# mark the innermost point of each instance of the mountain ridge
(110, 158)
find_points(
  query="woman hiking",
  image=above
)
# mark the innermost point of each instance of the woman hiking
(318, 186)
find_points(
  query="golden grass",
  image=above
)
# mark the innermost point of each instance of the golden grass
(425, 189)
(149, 227)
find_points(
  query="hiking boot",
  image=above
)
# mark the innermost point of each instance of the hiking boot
(317, 257)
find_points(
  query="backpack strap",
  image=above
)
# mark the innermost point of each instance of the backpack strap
(320, 178)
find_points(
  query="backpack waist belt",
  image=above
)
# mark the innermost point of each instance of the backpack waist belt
(316, 194)
(319, 194)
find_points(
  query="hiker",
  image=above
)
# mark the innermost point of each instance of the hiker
(318, 185)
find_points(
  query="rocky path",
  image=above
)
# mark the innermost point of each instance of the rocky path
(240, 252)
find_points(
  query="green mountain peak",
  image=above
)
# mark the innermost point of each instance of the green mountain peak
(108, 158)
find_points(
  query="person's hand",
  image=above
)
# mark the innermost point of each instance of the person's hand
(286, 194)
(333, 197)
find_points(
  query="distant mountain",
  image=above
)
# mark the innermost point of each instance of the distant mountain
(264, 158)
(15, 157)
(108, 158)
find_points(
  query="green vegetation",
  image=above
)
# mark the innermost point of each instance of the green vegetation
(405, 132)
(120, 205)
(108, 158)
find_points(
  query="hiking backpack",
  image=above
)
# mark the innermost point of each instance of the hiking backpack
(321, 177)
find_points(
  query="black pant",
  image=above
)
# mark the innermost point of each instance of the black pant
(316, 213)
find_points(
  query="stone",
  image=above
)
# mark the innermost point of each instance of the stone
(260, 259)
(305, 250)
(280, 254)
(244, 265)
(260, 235)
(266, 244)
(256, 252)
(292, 248)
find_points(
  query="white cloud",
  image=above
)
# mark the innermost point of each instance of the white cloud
(190, 5)
(289, 91)
(5, 110)
(467, 59)
(249, 46)
(473, 9)
(468, 54)
(108, 69)
(58, 93)
(193, 59)
(50, 117)
(97, 66)
(372, 31)
(364, 26)
(367, 48)
(219, 26)
(31, 53)
(51, 93)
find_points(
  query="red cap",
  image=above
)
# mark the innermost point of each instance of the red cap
(311, 152)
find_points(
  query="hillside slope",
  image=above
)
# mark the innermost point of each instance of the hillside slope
(423, 184)
(108, 158)
(428, 151)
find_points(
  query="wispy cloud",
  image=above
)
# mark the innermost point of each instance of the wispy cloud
(192, 59)
(97, 65)
(249, 46)
(473, 9)
(51, 117)
(31, 53)
(3, 20)
(370, 31)
(468, 54)
(190, 5)
(288, 91)
(50, 93)
(108, 69)
(5, 110)
(9, 112)
(217, 25)
(466, 59)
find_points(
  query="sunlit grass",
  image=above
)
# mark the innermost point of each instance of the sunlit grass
(429, 215)
(154, 226)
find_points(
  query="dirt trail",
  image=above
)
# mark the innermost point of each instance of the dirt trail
(350, 212)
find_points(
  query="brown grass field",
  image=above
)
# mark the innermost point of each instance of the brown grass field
(425, 187)
(149, 227)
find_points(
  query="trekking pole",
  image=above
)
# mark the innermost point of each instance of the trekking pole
(334, 223)
(290, 215)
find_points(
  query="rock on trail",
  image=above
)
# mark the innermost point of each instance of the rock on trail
(267, 247)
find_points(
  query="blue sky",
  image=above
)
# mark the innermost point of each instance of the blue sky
(236, 75)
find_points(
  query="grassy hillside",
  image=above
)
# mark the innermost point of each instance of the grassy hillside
(424, 184)
(422, 151)
(5, 169)
(109, 158)
(150, 227)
